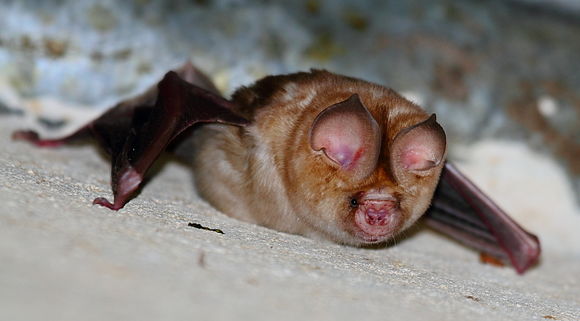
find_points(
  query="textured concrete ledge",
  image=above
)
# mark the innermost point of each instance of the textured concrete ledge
(63, 259)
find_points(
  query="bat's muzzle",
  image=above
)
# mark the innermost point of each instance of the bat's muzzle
(377, 219)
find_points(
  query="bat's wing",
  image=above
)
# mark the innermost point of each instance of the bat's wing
(462, 211)
(135, 132)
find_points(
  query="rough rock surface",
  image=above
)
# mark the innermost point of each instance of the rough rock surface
(488, 69)
(63, 259)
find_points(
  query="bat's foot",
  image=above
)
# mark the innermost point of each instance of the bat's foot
(104, 202)
(33, 138)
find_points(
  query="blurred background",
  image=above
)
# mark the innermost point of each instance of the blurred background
(503, 76)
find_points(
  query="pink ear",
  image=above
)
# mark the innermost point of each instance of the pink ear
(418, 148)
(349, 136)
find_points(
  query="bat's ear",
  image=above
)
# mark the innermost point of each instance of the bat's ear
(418, 148)
(349, 136)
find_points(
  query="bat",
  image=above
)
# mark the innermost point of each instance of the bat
(311, 153)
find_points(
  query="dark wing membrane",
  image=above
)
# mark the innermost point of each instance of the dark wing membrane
(463, 212)
(135, 132)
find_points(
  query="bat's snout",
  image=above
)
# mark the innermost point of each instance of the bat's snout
(377, 219)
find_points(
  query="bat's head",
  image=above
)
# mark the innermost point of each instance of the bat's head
(372, 165)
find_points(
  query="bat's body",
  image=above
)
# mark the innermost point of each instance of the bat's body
(314, 153)
(270, 173)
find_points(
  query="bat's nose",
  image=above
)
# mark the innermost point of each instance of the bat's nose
(377, 219)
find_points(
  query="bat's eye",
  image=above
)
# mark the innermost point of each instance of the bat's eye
(353, 202)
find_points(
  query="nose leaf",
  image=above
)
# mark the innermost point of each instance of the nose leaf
(376, 217)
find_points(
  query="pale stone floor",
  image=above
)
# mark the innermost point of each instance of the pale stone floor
(63, 259)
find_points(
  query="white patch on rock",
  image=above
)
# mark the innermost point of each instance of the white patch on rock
(414, 96)
(547, 106)
(530, 187)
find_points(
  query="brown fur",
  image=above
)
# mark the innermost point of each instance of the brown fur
(267, 173)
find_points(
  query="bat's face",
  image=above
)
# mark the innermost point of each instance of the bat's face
(367, 167)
